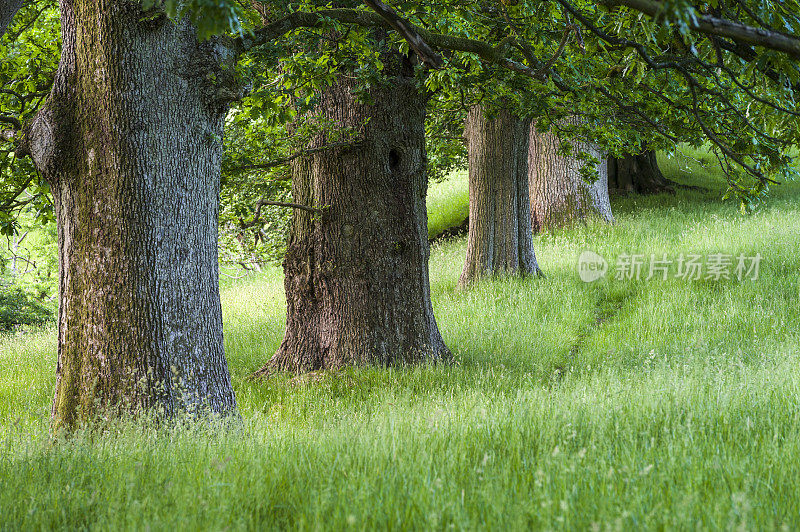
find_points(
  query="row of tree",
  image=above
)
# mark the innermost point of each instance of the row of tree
(129, 140)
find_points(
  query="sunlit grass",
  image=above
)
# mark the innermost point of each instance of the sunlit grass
(620, 404)
(448, 203)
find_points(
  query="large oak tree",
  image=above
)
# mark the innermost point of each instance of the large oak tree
(356, 269)
(130, 144)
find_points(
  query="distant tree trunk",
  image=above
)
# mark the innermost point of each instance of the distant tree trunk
(500, 238)
(637, 174)
(130, 142)
(356, 273)
(8, 8)
(559, 195)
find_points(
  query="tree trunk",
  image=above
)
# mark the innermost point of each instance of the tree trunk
(500, 238)
(559, 195)
(8, 8)
(130, 142)
(356, 274)
(637, 174)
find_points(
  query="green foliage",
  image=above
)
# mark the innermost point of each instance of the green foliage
(632, 80)
(245, 239)
(28, 261)
(18, 307)
(210, 17)
(28, 273)
(447, 148)
(30, 51)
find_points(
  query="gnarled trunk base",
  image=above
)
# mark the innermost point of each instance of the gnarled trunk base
(637, 174)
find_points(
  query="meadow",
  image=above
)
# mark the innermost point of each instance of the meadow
(614, 405)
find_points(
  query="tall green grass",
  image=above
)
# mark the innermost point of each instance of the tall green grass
(448, 203)
(614, 405)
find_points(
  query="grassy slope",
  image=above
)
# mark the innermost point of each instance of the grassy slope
(618, 404)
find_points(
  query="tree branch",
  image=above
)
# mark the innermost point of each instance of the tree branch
(406, 30)
(710, 25)
(305, 19)
(739, 33)
(13, 122)
(262, 203)
(296, 155)
(11, 201)
(545, 69)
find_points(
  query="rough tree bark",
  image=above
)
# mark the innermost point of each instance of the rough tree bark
(637, 174)
(130, 142)
(356, 273)
(559, 195)
(500, 238)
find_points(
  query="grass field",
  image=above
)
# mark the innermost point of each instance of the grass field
(615, 405)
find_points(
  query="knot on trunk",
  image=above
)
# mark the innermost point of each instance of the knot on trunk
(40, 139)
(215, 64)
